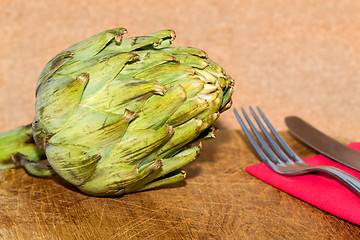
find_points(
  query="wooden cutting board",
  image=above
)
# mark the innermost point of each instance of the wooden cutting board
(219, 200)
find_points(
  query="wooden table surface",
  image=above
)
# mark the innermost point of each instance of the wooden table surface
(219, 200)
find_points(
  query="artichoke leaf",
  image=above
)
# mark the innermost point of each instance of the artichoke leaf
(93, 45)
(165, 73)
(208, 133)
(134, 43)
(164, 34)
(214, 106)
(136, 145)
(131, 44)
(169, 165)
(39, 168)
(193, 61)
(72, 164)
(190, 109)
(215, 69)
(93, 131)
(226, 107)
(192, 85)
(111, 180)
(137, 91)
(66, 94)
(185, 50)
(147, 59)
(157, 110)
(52, 66)
(184, 134)
(102, 70)
(226, 98)
(173, 177)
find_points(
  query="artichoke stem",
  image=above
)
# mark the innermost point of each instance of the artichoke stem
(18, 141)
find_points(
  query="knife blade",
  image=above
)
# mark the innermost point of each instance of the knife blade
(323, 143)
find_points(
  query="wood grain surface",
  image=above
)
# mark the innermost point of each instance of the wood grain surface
(219, 200)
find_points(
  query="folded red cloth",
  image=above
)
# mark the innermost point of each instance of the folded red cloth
(320, 190)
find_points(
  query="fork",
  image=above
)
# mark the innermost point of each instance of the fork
(280, 157)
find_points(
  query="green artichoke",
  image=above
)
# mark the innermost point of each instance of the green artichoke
(115, 115)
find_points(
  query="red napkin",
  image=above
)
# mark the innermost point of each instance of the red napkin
(320, 190)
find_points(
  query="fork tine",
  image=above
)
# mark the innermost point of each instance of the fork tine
(275, 146)
(254, 144)
(268, 156)
(281, 141)
(262, 141)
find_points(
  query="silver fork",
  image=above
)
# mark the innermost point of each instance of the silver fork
(283, 160)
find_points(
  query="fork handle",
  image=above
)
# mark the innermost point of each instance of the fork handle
(350, 181)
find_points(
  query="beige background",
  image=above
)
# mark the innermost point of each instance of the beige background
(290, 57)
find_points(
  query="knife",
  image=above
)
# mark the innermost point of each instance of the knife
(323, 143)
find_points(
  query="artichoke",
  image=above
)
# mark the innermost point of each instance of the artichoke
(115, 116)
